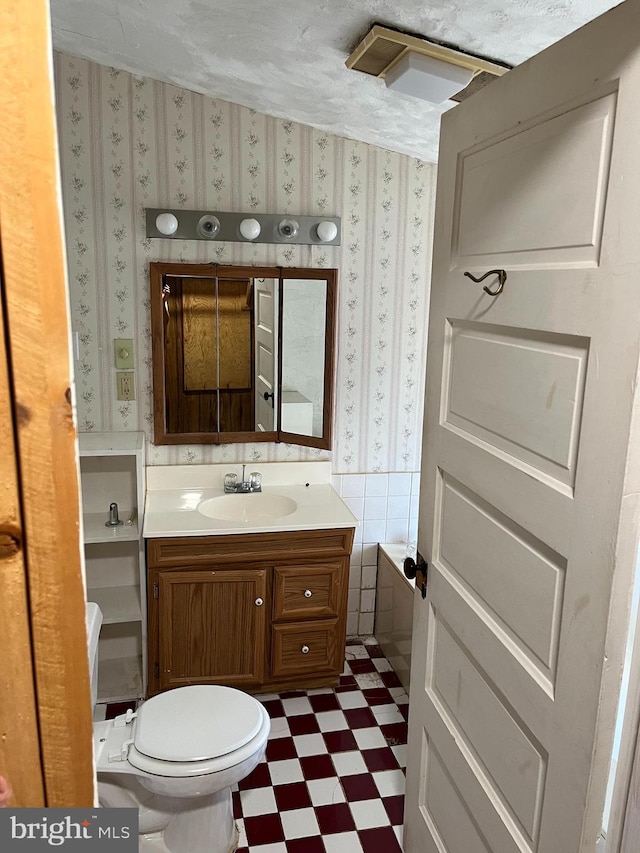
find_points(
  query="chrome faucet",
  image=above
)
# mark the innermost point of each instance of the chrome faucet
(253, 484)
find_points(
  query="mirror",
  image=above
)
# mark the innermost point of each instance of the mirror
(242, 354)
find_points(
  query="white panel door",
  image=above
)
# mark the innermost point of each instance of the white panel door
(266, 352)
(528, 466)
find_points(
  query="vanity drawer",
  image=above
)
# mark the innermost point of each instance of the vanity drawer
(301, 592)
(302, 647)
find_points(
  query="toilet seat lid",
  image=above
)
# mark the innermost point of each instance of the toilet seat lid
(196, 723)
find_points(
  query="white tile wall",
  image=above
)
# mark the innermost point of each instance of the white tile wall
(386, 506)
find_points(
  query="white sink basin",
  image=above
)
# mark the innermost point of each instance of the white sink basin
(250, 508)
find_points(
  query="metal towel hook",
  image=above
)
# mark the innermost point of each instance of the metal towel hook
(502, 277)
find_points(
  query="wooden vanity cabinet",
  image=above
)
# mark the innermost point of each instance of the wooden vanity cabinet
(257, 611)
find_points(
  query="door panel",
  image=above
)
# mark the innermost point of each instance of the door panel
(530, 399)
(266, 314)
(570, 155)
(486, 367)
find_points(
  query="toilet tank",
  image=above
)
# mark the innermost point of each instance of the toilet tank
(94, 622)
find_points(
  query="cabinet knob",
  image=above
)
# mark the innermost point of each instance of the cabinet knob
(259, 602)
(307, 593)
(305, 650)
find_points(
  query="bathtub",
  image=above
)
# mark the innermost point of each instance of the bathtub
(394, 610)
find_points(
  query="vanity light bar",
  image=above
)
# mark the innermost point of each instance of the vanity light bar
(242, 227)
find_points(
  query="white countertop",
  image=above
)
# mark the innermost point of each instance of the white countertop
(173, 511)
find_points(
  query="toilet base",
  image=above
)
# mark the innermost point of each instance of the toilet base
(171, 824)
(155, 843)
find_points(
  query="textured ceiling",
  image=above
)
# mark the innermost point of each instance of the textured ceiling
(286, 57)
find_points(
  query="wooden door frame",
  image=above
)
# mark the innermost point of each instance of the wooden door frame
(46, 744)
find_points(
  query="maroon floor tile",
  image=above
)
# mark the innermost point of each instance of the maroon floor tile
(274, 707)
(381, 758)
(237, 806)
(347, 688)
(281, 748)
(116, 708)
(395, 733)
(359, 787)
(354, 641)
(303, 724)
(335, 818)
(317, 766)
(380, 840)
(263, 829)
(362, 665)
(258, 778)
(404, 710)
(375, 651)
(312, 844)
(242, 850)
(390, 679)
(324, 702)
(378, 696)
(294, 795)
(360, 718)
(292, 694)
(348, 681)
(395, 809)
(340, 741)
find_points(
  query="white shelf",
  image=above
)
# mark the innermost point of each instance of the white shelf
(112, 471)
(110, 443)
(117, 603)
(120, 679)
(95, 530)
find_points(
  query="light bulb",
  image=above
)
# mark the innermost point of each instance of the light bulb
(327, 231)
(208, 225)
(166, 223)
(250, 229)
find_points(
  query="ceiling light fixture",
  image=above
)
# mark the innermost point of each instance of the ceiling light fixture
(427, 78)
(397, 58)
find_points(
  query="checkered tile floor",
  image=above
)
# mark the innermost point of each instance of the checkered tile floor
(332, 780)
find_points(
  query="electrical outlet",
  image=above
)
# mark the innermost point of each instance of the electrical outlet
(124, 353)
(126, 386)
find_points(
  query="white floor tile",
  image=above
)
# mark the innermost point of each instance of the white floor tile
(325, 792)
(371, 738)
(312, 744)
(299, 823)
(342, 842)
(368, 680)
(352, 652)
(242, 834)
(369, 813)
(285, 771)
(279, 728)
(400, 753)
(258, 801)
(297, 705)
(390, 783)
(351, 699)
(385, 718)
(332, 721)
(382, 664)
(349, 763)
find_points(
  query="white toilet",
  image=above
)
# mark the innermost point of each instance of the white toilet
(176, 759)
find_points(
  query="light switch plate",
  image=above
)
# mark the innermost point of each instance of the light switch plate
(124, 353)
(126, 386)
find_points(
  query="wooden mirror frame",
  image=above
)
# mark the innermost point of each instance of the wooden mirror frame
(157, 273)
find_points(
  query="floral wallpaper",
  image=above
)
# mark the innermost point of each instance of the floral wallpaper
(128, 142)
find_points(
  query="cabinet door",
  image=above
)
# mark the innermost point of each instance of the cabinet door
(212, 627)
